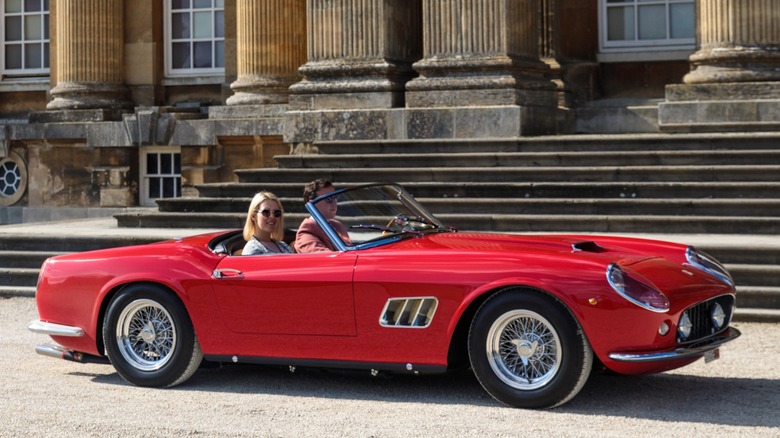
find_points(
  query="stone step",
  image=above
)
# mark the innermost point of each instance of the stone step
(24, 259)
(733, 255)
(504, 189)
(532, 159)
(18, 276)
(614, 224)
(755, 274)
(753, 173)
(758, 297)
(17, 291)
(757, 315)
(63, 243)
(678, 207)
(499, 222)
(569, 143)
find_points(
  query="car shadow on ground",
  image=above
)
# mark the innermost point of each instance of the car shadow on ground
(667, 397)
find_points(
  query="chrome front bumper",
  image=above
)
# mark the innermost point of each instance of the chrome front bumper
(695, 350)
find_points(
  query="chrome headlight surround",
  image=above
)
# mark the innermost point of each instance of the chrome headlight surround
(705, 262)
(636, 291)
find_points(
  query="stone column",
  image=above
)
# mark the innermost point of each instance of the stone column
(271, 46)
(734, 83)
(359, 54)
(89, 56)
(481, 52)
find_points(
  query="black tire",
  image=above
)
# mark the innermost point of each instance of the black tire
(527, 351)
(149, 337)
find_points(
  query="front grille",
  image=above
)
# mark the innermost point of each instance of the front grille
(701, 320)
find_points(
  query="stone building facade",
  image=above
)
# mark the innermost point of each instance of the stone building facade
(109, 104)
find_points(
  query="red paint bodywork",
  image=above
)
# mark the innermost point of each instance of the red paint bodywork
(327, 306)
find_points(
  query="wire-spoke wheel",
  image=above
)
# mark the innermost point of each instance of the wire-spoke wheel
(146, 335)
(149, 337)
(523, 349)
(527, 350)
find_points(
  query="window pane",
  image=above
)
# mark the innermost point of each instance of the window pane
(652, 22)
(219, 24)
(13, 5)
(13, 28)
(32, 5)
(203, 55)
(33, 30)
(13, 56)
(46, 55)
(620, 22)
(682, 19)
(168, 187)
(219, 4)
(202, 4)
(181, 55)
(151, 164)
(219, 54)
(202, 25)
(177, 163)
(166, 164)
(154, 188)
(46, 27)
(180, 25)
(32, 56)
(180, 4)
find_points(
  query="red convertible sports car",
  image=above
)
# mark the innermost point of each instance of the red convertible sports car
(530, 314)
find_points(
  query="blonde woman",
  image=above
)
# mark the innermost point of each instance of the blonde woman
(264, 228)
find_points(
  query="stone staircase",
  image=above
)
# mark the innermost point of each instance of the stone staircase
(724, 184)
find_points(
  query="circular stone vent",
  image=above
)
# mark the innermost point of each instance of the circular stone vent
(13, 179)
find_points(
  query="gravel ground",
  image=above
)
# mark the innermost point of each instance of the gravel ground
(738, 395)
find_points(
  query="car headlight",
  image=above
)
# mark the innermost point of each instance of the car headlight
(638, 292)
(707, 263)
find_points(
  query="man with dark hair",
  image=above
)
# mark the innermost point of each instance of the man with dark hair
(310, 237)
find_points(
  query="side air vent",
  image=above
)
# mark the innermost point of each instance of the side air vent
(587, 246)
(409, 312)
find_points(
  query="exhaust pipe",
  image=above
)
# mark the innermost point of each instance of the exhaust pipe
(59, 352)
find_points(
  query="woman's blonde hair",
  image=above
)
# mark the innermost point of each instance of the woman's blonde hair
(254, 207)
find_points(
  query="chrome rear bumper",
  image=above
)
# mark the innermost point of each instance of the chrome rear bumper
(695, 350)
(51, 329)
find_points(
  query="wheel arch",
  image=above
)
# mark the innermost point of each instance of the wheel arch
(457, 355)
(109, 296)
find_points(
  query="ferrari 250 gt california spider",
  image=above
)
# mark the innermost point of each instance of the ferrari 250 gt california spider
(530, 314)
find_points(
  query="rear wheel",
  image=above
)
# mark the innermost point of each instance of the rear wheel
(527, 350)
(149, 337)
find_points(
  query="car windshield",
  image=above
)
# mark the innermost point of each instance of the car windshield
(375, 214)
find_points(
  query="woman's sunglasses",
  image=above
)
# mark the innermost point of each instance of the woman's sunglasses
(267, 213)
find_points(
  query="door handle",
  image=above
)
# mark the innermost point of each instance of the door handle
(227, 273)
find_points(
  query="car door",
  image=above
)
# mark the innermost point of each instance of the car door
(289, 294)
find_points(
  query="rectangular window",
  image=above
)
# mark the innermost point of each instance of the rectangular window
(195, 37)
(25, 33)
(646, 24)
(160, 174)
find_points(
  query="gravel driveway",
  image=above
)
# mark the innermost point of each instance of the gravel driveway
(738, 395)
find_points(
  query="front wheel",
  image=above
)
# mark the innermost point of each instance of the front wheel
(149, 337)
(527, 351)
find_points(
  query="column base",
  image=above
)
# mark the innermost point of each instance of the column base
(722, 107)
(89, 96)
(350, 85)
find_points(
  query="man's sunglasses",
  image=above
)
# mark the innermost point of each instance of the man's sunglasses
(267, 213)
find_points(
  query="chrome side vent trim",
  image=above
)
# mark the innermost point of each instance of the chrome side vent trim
(409, 312)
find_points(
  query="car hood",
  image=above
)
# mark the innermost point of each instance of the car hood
(621, 250)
